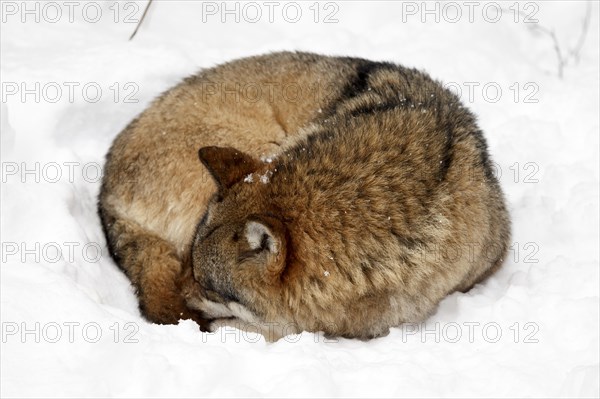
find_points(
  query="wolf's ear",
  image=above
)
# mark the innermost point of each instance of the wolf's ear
(227, 165)
(266, 236)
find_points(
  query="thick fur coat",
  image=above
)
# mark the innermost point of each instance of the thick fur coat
(332, 194)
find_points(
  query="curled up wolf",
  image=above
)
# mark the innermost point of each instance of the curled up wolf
(330, 194)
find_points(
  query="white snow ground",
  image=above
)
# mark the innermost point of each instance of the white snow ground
(70, 324)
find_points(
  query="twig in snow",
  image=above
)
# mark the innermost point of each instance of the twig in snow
(574, 53)
(585, 27)
(141, 19)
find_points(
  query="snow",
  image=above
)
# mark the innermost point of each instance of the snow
(70, 324)
(265, 177)
(249, 178)
(268, 159)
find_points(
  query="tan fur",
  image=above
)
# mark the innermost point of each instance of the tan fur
(379, 202)
(155, 190)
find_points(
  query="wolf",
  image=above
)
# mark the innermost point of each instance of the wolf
(351, 206)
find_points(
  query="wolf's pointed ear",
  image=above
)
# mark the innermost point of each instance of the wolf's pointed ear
(227, 165)
(266, 236)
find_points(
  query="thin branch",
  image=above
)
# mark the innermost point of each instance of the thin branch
(141, 19)
(574, 53)
(561, 59)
